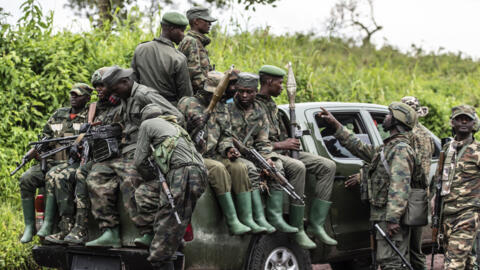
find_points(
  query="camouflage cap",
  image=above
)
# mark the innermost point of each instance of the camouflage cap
(97, 76)
(247, 80)
(415, 104)
(404, 114)
(81, 89)
(200, 13)
(115, 73)
(272, 71)
(213, 79)
(175, 18)
(465, 110)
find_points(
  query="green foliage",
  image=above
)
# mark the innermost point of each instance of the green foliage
(39, 67)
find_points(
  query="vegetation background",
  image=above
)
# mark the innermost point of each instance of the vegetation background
(38, 67)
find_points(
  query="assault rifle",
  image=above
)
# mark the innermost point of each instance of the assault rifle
(198, 132)
(295, 132)
(164, 184)
(392, 245)
(34, 152)
(255, 157)
(438, 205)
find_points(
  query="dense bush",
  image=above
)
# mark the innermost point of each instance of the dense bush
(38, 67)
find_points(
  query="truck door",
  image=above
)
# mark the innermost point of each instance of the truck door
(349, 216)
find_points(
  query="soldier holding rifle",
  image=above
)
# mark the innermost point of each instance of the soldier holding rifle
(391, 172)
(271, 79)
(459, 191)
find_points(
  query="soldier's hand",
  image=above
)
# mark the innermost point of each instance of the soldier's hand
(329, 119)
(288, 144)
(194, 122)
(270, 162)
(392, 228)
(233, 154)
(352, 180)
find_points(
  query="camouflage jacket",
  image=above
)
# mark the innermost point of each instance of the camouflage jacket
(157, 64)
(60, 124)
(465, 189)
(140, 96)
(218, 132)
(193, 47)
(424, 146)
(252, 123)
(108, 113)
(388, 195)
(277, 132)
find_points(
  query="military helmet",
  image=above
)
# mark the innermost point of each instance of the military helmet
(213, 79)
(404, 114)
(97, 76)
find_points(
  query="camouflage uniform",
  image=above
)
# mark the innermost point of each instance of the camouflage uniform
(185, 175)
(323, 169)
(193, 47)
(218, 137)
(388, 195)
(159, 65)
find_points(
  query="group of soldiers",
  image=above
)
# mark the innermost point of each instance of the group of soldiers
(161, 146)
(170, 135)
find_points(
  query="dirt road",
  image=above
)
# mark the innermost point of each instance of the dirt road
(438, 264)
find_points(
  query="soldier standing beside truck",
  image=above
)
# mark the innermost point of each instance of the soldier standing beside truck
(391, 173)
(271, 79)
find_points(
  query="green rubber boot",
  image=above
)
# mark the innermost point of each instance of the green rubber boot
(79, 234)
(244, 207)
(296, 219)
(28, 206)
(109, 238)
(258, 212)
(228, 209)
(144, 241)
(275, 212)
(66, 225)
(50, 209)
(318, 215)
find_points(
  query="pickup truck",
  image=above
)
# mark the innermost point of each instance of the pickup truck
(208, 244)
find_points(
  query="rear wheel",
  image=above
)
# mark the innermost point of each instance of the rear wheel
(278, 251)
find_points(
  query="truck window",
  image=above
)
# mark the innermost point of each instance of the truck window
(353, 122)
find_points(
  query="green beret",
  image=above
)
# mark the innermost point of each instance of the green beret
(247, 80)
(200, 13)
(175, 18)
(113, 74)
(81, 89)
(465, 110)
(97, 76)
(272, 70)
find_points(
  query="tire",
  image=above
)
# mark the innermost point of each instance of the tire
(277, 251)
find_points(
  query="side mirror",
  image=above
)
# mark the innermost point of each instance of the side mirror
(446, 140)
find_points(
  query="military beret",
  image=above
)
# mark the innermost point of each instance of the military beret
(200, 13)
(115, 73)
(97, 76)
(175, 18)
(213, 79)
(247, 80)
(465, 110)
(81, 89)
(272, 70)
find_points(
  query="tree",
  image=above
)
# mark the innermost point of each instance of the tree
(356, 15)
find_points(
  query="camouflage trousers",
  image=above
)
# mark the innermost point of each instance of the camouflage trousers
(186, 184)
(460, 232)
(34, 178)
(60, 182)
(387, 258)
(417, 258)
(104, 182)
(82, 200)
(225, 175)
(295, 172)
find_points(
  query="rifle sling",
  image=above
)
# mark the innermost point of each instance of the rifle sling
(250, 133)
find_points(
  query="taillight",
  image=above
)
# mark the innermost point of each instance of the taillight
(188, 236)
(39, 209)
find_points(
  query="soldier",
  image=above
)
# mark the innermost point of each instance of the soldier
(226, 171)
(65, 121)
(271, 79)
(460, 190)
(159, 65)
(391, 171)
(102, 181)
(423, 145)
(250, 125)
(193, 46)
(180, 163)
